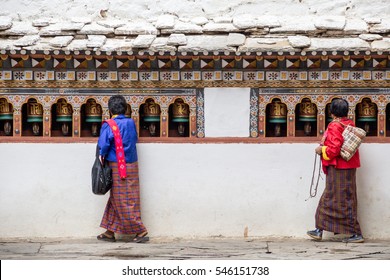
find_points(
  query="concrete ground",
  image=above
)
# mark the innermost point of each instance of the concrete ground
(195, 249)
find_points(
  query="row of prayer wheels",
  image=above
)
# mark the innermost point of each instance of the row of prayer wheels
(366, 112)
(151, 116)
(93, 114)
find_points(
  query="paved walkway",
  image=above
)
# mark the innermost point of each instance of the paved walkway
(196, 249)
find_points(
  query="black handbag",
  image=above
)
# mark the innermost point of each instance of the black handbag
(101, 176)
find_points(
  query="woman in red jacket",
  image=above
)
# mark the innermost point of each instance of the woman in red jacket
(337, 208)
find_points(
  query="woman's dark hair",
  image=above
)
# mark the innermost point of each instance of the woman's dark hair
(339, 107)
(117, 105)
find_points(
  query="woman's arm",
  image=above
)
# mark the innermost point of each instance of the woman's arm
(104, 140)
(333, 142)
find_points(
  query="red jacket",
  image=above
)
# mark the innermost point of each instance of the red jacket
(332, 143)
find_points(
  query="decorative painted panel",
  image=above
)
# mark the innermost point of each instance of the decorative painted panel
(329, 66)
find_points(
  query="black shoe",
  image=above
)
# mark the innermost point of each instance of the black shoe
(356, 238)
(315, 234)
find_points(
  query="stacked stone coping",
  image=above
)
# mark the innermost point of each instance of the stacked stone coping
(243, 34)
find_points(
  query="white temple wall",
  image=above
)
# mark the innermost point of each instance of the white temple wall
(187, 190)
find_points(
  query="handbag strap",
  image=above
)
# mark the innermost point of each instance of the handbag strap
(97, 150)
(340, 122)
(120, 153)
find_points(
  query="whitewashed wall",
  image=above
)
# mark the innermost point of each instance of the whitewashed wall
(188, 190)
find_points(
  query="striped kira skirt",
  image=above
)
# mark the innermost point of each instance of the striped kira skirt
(337, 208)
(123, 210)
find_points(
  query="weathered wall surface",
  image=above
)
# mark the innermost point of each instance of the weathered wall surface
(188, 190)
(151, 9)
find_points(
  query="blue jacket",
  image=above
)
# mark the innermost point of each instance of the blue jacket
(129, 138)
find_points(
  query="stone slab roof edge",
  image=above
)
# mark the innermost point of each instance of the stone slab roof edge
(238, 34)
(212, 44)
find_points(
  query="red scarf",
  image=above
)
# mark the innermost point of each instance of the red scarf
(120, 153)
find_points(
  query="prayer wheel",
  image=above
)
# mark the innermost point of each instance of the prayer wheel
(93, 111)
(6, 115)
(64, 115)
(328, 114)
(180, 115)
(64, 111)
(34, 115)
(278, 112)
(128, 111)
(93, 114)
(366, 113)
(181, 111)
(307, 111)
(277, 115)
(34, 111)
(151, 112)
(307, 114)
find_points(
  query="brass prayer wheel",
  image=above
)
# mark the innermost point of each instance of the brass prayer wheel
(151, 111)
(93, 111)
(180, 111)
(6, 115)
(328, 113)
(64, 111)
(307, 111)
(366, 111)
(34, 111)
(5, 110)
(278, 112)
(128, 111)
(64, 114)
